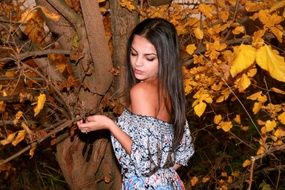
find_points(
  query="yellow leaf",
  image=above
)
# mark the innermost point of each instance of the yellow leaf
(225, 95)
(272, 62)
(206, 97)
(252, 72)
(237, 119)
(236, 173)
(244, 128)
(205, 179)
(103, 9)
(198, 33)
(279, 132)
(225, 125)
(238, 30)
(128, 5)
(253, 6)
(217, 119)
(270, 125)
(206, 10)
(245, 57)
(2, 106)
(40, 104)
(260, 151)
(187, 86)
(27, 15)
(246, 163)
(49, 14)
(26, 128)
(257, 40)
(277, 32)
(263, 130)
(278, 143)
(194, 180)
(61, 67)
(190, 49)
(217, 86)
(256, 107)
(224, 15)
(278, 90)
(230, 179)
(260, 122)
(18, 116)
(281, 118)
(277, 5)
(219, 46)
(10, 74)
(255, 96)
(224, 174)
(264, 17)
(200, 108)
(20, 136)
(9, 139)
(32, 150)
(242, 83)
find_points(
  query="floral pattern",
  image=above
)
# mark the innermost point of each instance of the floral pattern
(149, 166)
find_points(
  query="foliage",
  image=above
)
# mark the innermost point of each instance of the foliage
(33, 108)
(233, 55)
(234, 77)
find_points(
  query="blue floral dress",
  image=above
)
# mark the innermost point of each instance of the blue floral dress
(149, 166)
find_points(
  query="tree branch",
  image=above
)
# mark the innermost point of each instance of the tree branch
(59, 128)
(22, 56)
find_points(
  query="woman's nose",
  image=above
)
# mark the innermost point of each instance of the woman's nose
(139, 62)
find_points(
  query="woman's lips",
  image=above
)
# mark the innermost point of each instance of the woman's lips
(139, 72)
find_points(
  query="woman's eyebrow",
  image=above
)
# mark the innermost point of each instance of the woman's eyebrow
(151, 54)
(133, 49)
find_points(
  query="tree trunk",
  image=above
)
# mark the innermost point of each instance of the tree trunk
(87, 161)
(123, 21)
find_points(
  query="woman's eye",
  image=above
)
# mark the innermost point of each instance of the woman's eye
(133, 54)
(150, 58)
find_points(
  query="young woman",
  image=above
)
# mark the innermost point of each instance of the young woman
(151, 139)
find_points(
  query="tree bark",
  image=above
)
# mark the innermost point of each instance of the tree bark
(123, 21)
(87, 161)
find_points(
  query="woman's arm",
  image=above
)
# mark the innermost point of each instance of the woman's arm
(98, 122)
(176, 166)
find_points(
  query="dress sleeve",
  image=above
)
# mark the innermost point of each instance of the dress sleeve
(186, 149)
(141, 153)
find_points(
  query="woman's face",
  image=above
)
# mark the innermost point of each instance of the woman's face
(144, 59)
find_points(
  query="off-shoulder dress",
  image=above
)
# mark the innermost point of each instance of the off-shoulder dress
(150, 163)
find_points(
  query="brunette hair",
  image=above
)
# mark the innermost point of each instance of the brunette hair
(162, 34)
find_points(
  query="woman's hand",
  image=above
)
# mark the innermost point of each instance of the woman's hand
(94, 123)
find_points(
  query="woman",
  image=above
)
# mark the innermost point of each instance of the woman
(151, 139)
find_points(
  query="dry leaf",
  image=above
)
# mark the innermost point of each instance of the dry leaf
(49, 14)
(40, 104)
(9, 139)
(20, 136)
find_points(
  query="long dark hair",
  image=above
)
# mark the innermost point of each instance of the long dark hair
(162, 34)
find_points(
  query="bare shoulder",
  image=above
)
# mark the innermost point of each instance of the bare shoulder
(143, 99)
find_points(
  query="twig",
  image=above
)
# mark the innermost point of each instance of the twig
(241, 105)
(235, 136)
(254, 158)
(26, 55)
(68, 13)
(62, 126)
(55, 89)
